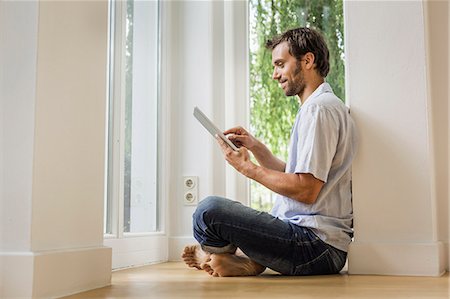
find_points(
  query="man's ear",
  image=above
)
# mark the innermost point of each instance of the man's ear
(309, 60)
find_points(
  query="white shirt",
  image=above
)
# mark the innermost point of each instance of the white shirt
(323, 143)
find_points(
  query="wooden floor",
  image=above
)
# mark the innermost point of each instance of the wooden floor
(174, 280)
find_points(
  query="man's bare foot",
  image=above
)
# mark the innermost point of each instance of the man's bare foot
(225, 264)
(195, 257)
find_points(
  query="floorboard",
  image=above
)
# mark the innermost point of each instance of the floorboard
(174, 280)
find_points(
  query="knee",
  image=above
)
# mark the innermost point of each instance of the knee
(211, 206)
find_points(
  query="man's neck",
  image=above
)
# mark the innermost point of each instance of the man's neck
(309, 89)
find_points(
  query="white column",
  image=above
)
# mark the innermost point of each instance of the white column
(236, 86)
(18, 48)
(189, 56)
(436, 14)
(53, 101)
(394, 172)
(207, 68)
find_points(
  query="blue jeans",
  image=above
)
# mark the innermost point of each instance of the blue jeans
(221, 225)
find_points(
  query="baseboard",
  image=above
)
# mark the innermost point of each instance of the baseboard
(54, 274)
(446, 256)
(137, 251)
(16, 275)
(406, 259)
(176, 246)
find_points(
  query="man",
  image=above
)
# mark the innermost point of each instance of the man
(310, 226)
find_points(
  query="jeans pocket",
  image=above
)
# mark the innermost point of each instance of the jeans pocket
(321, 265)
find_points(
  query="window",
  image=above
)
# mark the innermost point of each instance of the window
(271, 113)
(132, 206)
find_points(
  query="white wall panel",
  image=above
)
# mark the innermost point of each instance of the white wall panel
(18, 46)
(393, 173)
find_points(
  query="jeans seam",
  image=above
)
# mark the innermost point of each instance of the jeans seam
(314, 260)
(246, 229)
(309, 242)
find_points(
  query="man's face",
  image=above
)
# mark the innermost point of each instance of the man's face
(287, 70)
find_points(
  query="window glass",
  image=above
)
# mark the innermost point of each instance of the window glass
(141, 89)
(133, 148)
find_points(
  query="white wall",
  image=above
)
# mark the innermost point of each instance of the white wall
(70, 126)
(437, 16)
(192, 82)
(394, 182)
(18, 36)
(17, 89)
(53, 100)
(189, 84)
(203, 67)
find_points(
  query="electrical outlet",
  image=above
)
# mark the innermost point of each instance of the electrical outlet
(190, 190)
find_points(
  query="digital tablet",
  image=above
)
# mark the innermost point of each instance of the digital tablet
(201, 117)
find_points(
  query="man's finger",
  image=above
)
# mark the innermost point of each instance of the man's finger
(235, 137)
(234, 130)
(225, 148)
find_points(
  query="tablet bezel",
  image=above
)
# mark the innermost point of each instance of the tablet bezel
(211, 128)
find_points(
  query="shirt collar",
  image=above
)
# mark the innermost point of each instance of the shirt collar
(322, 88)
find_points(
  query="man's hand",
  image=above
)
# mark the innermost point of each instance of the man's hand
(240, 160)
(241, 137)
(302, 187)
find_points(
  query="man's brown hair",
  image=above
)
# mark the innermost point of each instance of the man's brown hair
(301, 41)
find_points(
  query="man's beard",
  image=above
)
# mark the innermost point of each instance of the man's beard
(298, 86)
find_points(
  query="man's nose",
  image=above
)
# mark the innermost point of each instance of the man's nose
(275, 75)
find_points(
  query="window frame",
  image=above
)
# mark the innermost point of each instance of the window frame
(129, 249)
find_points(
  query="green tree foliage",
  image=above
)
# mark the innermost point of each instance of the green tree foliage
(272, 113)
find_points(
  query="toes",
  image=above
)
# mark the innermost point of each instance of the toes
(191, 257)
(189, 249)
(194, 265)
(188, 252)
(207, 269)
(205, 263)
